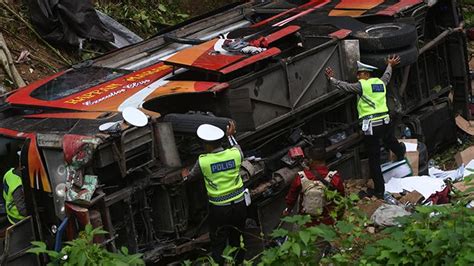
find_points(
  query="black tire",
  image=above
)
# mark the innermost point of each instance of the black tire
(407, 57)
(386, 36)
(189, 123)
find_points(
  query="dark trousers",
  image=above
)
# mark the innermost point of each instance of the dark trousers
(372, 145)
(226, 223)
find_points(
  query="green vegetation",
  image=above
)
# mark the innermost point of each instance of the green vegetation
(141, 16)
(432, 235)
(468, 12)
(83, 252)
(146, 18)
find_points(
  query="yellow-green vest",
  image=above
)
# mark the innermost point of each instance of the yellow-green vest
(373, 90)
(10, 183)
(221, 174)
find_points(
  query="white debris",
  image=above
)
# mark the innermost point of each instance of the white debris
(455, 175)
(386, 215)
(424, 184)
(398, 169)
(469, 169)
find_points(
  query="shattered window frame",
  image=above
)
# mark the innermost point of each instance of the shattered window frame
(75, 81)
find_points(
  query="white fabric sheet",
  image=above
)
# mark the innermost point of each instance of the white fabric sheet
(424, 184)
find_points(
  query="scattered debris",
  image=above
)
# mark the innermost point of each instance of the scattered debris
(369, 206)
(423, 184)
(452, 174)
(414, 197)
(8, 64)
(440, 197)
(390, 199)
(464, 125)
(396, 170)
(23, 57)
(371, 230)
(465, 156)
(354, 186)
(463, 186)
(412, 154)
(468, 169)
(386, 215)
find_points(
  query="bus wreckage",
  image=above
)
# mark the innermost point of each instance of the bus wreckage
(260, 64)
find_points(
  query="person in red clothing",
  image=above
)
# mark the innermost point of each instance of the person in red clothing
(316, 169)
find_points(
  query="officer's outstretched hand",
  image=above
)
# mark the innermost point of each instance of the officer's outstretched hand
(329, 72)
(231, 129)
(393, 60)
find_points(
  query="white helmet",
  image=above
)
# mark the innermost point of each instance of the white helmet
(209, 132)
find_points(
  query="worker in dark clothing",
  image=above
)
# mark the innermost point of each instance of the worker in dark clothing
(315, 170)
(13, 195)
(227, 209)
(374, 116)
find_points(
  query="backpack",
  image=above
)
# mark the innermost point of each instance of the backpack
(313, 196)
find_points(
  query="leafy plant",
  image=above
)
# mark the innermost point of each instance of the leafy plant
(433, 235)
(143, 17)
(299, 247)
(82, 251)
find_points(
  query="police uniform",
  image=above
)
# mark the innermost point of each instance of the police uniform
(13, 196)
(225, 189)
(375, 119)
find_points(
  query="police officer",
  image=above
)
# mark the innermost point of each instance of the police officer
(374, 116)
(220, 168)
(13, 195)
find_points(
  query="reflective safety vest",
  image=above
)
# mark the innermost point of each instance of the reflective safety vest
(10, 183)
(373, 102)
(221, 174)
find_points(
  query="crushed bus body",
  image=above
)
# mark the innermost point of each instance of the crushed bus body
(128, 181)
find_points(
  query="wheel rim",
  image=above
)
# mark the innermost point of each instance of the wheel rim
(382, 29)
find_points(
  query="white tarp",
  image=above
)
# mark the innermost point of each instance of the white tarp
(424, 184)
(427, 185)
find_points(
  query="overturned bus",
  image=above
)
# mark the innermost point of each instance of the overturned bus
(82, 164)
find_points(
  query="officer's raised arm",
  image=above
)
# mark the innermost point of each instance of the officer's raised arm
(342, 85)
(230, 132)
(392, 61)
